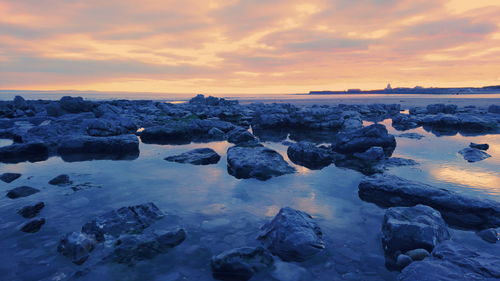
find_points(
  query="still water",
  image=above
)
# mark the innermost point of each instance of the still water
(220, 212)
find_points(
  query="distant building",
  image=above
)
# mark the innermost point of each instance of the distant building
(388, 87)
(354, 91)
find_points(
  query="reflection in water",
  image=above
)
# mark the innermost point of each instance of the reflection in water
(487, 181)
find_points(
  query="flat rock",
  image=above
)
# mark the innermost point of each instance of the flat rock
(481, 146)
(241, 263)
(199, 156)
(100, 145)
(415, 136)
(256, 162)
(33, 226)
(61, 180)
(9, 177)
(22, 152)
(309, 155)
(473, 154)
(76, 246)
(31, 211)
(22, 191)
(457, 209)
(363, 139)
(292, 235)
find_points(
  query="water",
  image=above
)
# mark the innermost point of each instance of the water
(220, 212)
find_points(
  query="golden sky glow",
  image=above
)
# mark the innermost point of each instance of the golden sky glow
(247, 46)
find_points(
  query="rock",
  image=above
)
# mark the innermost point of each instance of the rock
(373, 154)
(61, 180)
(292, 235)
(9, 177)
(215, 133)
(199, 156)
(241, 264)
(409, 228)
(403, 122)
(491, 235)
(457, 209)
(415, 136)
(494, 109)
(31, 211)
(76, 246)
(473, 154)
(126, 220)
(256, 162)
(309, 155)
(75, 105)
(403, 260)
(106, 127)
(284, 271)
(22, 191)
(132, 248)
(352, 124)
(482, 146)
(364, 139)
(418, 254)
(118, 147)
(451, 262)
(20, 102)
(32, 152)
(33, 225)
(240, 135)
(398, 162)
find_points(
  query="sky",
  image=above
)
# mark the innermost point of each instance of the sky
(247, 46)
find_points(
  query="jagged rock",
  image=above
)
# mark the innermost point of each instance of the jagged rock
(20, 102)
(61, 180)
(473, 154)
(133, 248)
(292, 235)
(199, 156)
(76, 246)
(491, 235)
(22, 152)
(241, 263)
(116, 146)
(9, 177)
(457, 209)
(309, 155)
(31, 211)
(363, 139)
(256, 162)
(410, 228)
(481, 146)
(415, 136)
(107, 127)
(22, 191)
(126, 220)
(33, 226)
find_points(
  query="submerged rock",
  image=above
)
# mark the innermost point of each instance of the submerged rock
(292, 235)
(33, 226)
(31, 211)
(363, 139)
(457, 209)
(76, 246)
(241, 264)
(21, 152)
(9, 177)
(256, 162)
(309, 155)
(473, 154)
(22, 191)
(415, 136)
(61, 180)
(481, 146)
(199, 156)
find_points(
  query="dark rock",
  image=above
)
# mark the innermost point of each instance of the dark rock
(20, 102)
(106, 127)
(403, 122)
(364, 139)
(75, 105)
(409, 228)
(494, 109)
(22, 191)
(240, 135)
(9, 177)
(373, 154)
(398, 162)
(76, 246)
(117, 146)
(33, 225)
(132, 248)
(403, 260)
(32, 210)
(457, 209)
(491, 235)
(216, 133)
(126, 220)
(61, 180)
(256, 162)
(309, 155)
(292, 235)
(241, 264)
(199, 156)
(473, 154)
(481, 146)
(418, 254)
(22, 152)
(435, 108)
(415, 136)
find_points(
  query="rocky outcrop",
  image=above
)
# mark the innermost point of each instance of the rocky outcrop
(22, 191)
(473, 154)
(363, 139)
(22, 152)
(309, 155)
(76, 246)
(241, 263)
(292, 235)
(199, 156)
(87, 148)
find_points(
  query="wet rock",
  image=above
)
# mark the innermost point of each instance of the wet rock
(415, 136)
(450, 262)
(481, 146)
(32, 152)
(457, 209)
(126, 220)
(133, 248)
(75, 104)
(441, 108)
(9, 177)
(215, 133)
(31, 211)
(473, 154)
(33, 226)
(364, 139)
(256, 162)
(241, 263)
(373, 154)
(107, 127)
(309, 155)
(285, 271)
(398, 162)
(86, 145)
(240, 135)
(61, 180)
(199, 156)
(292, 235)
(491, 235)
(494, 109)
(403, 260)
(409, 228)
(76, 246)
(22, 191)
(403, 122)
(418, 254)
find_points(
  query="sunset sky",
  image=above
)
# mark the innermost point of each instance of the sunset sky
(247, 46)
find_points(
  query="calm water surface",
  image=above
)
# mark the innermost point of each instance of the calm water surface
(220, 212)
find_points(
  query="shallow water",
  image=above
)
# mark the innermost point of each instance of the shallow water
(220, 212)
